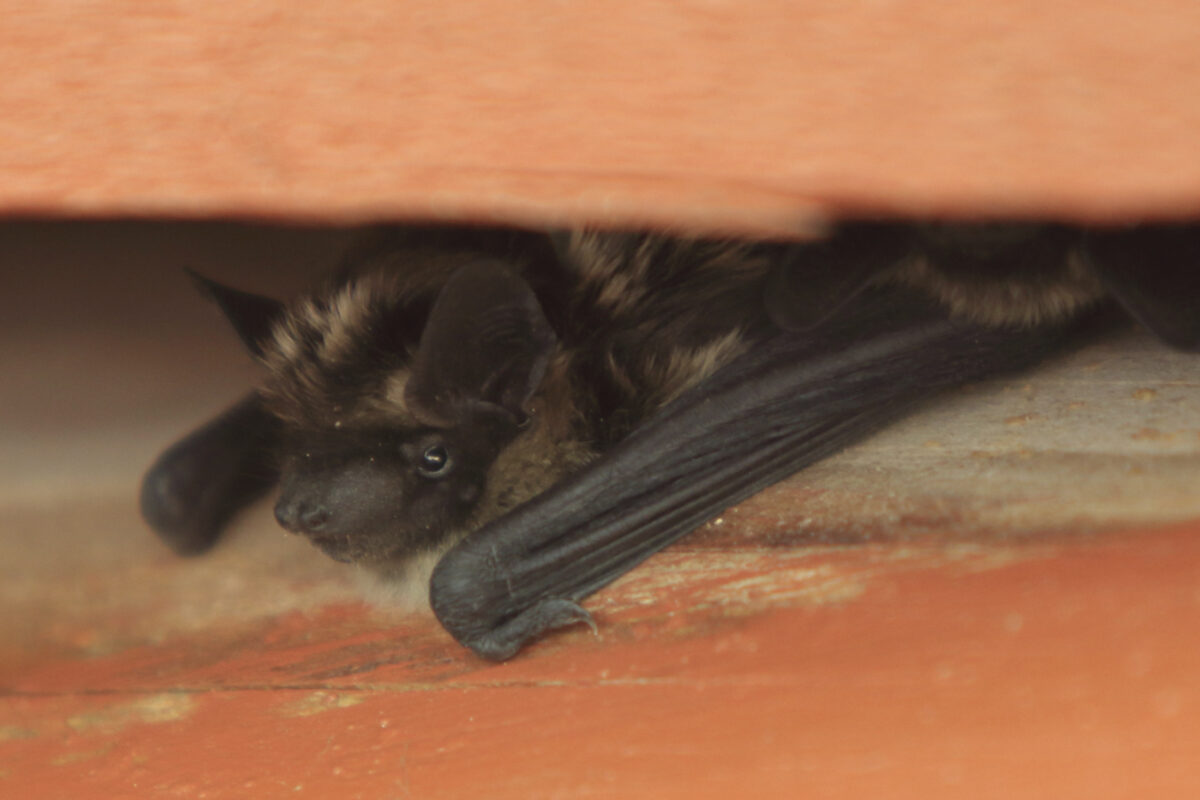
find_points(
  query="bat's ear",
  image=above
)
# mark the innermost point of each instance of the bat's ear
(824, 276)
(1154, 271)
(251, 315)
(484, 349)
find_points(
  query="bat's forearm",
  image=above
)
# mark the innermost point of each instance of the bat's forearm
(193, 489)
(792, 401)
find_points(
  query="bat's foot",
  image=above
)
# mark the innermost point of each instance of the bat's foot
(503, 642)
(1152, 271)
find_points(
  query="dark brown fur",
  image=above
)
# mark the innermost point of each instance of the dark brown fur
(637, 320)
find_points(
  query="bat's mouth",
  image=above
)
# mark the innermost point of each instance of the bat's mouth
(355, 549)
(339, 548)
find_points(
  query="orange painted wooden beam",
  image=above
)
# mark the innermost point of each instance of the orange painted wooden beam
(1069, 667)
(760, 116)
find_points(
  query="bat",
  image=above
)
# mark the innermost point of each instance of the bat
(537, 413)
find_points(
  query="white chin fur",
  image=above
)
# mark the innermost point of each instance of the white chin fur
(401, 585)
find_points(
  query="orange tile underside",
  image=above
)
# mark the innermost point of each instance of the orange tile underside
(754, 117)
(1065, 668)
(1068, 669)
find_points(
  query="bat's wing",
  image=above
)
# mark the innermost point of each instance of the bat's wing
(201, 481)
(821, 278)
(792, 401)
(1154, 271)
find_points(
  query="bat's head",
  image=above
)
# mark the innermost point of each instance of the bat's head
(396, 400)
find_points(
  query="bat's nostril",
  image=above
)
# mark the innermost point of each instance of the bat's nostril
(285, 515)
(300, 517)
(313, 519)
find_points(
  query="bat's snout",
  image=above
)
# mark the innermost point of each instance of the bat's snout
(347, 506)
(299, 516)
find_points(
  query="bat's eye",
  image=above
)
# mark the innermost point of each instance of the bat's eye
(434, 461)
